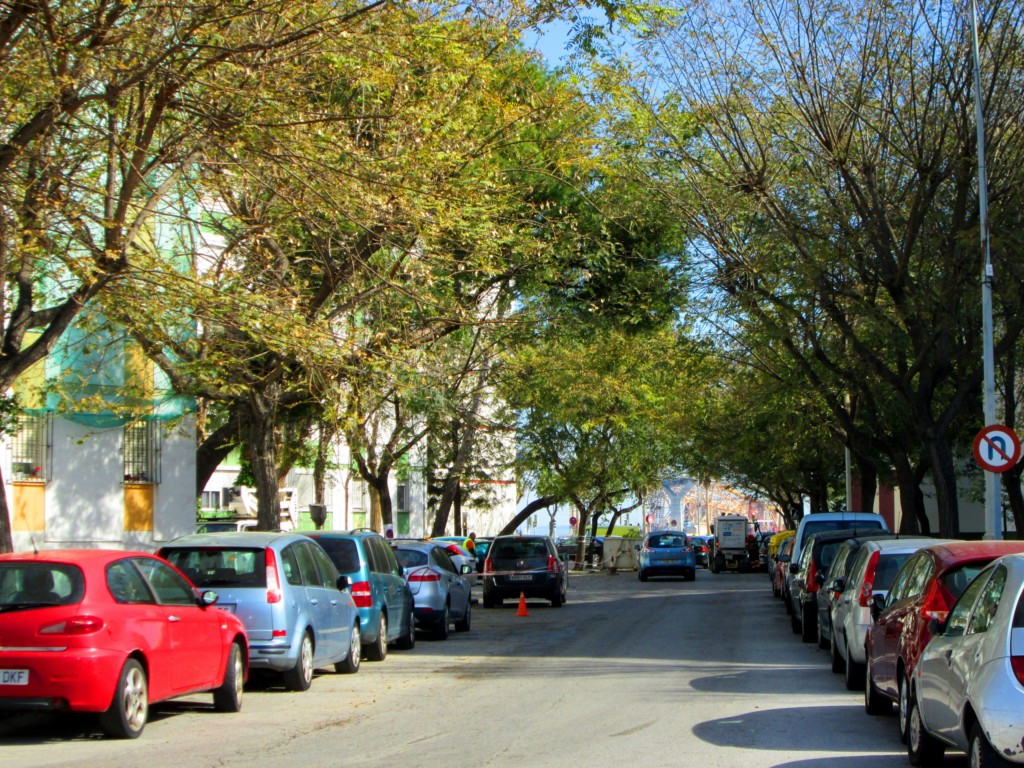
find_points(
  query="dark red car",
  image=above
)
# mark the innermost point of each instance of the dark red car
(112, 632)
(925, 588)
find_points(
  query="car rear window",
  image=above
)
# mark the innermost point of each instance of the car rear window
(885, 572)
(410, 558)
(668, 541)
(507, 550)
(343, 553)
(817, 526)
(956, 579)
(36, 584)
(220, 566)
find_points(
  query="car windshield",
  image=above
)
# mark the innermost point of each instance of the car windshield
(410, 558)
(36, 584)
(342, 552)
(220, 566)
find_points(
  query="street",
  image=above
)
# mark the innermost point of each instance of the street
(665, 673)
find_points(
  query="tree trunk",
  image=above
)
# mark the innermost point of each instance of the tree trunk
(381, 509)
(214, 449)
(524, 514)
(944, 477)
(466, 441)
(6, 535)
(868, 481)
(912, 517)
(262, 419)
(325, 439)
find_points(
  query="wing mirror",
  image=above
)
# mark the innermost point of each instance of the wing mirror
(343, 583)
(877, 606)
(794, 568)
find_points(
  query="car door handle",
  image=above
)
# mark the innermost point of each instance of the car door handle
(314, 601)
(174, 618)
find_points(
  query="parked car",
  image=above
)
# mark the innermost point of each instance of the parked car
(832, 590)
(872, 572)
(809, 576)
(378, 586)
(780, 568)
(441, 592)
(112, 632)
(968, 685)
(458, 552)
(483, 543)
(925, 588)
(527, 565)
(666, 553)
(700, 550)
(297, 610)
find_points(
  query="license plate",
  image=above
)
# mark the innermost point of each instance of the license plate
(13, 677)
(524, 577)
(668, 562)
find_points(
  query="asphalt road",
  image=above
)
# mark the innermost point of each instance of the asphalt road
(665, 673)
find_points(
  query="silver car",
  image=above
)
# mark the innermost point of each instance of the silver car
(287, 593)
(441, 592)
(968, 686)
(872, 572)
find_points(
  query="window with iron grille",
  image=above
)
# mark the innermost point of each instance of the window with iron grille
(141, 452)
(30, 447)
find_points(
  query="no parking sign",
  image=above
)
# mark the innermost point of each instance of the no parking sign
(997, 448)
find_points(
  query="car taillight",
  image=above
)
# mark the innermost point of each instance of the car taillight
(1017, 662)
(934, 605)
(812, 577)
(424, 574)
(452, 549)
(361, 594)
(488, 566)
(274, 594)
(76, 625)
(552, 563)
(869, 582)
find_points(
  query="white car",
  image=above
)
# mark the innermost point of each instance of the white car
(968, 686)
(872, 572)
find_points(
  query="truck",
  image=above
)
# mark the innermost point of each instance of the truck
(732, 549)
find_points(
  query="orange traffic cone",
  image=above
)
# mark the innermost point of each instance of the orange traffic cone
(522, 605)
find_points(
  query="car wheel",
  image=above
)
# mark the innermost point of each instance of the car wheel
(299, 677)
(823, 644)
(794, 622)
(642, 575)
(980, 753)
(922, 748)
(489, 601)
(854, 677)
(407, 641)
(128, 712)
(690, 576)
(903, 710)
(776, 592)
(787, 602)
(874, 702)
(462, 625)
(350, 664)
(228, 697)
(808, 622)
(441, 628)
(837, 661)
(556, 597)
(378, 649)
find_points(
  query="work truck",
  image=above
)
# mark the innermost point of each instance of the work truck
(732, 548)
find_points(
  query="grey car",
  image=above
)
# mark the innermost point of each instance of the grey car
(296, 608)
(968, 685)
(442, 593)
(524, 565)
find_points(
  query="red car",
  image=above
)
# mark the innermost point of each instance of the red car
(112, 632)
(925, 588)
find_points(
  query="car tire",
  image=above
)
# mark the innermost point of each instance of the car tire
(441, 627)
(923, 749)
(903, 706)
(490, 602)
(794, 622)
(838, 665)
(228, 696)
(463, 624)
(980, 753)
(128, 712)
(776, 592)
(407, 641)
(350, 664)
(300, 677)
(854, 673)
(690, 576)
(556, 597)
(874, 702)
(808, 622)
(823, 644)
(642, 575)
(378, 649)
(787, 602)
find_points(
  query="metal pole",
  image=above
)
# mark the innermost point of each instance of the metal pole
(993, 493)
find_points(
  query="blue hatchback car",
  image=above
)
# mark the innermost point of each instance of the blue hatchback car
(297, 610)
(379, 588)
(667, 553)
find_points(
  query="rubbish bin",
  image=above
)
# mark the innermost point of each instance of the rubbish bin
(318, 514)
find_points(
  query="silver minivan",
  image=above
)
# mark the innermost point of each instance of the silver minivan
(297, 610)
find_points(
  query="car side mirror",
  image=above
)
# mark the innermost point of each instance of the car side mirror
(208, 598)
(794, 568)
(936, 627)
(466, 568)
(343, 583)
(877, 606)
(819, 579)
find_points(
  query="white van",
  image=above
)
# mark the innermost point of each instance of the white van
(833, 521)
